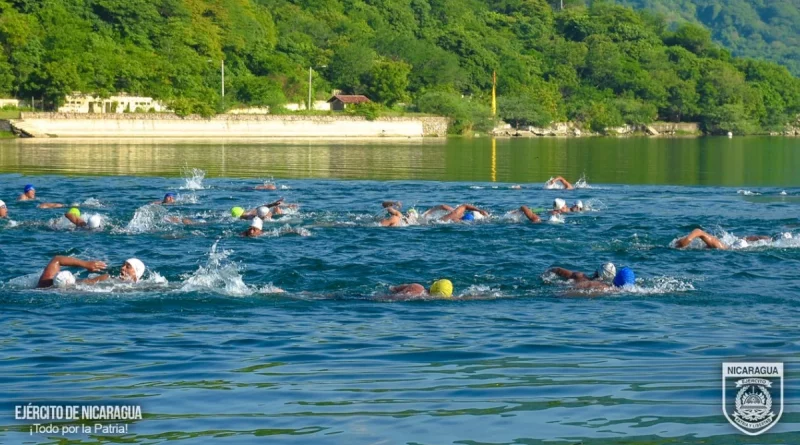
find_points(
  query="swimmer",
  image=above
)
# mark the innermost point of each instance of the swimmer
(624, 277)
(439, 288)
(240, 213)
(266, 186)
(604, 273)
(559, 206)
(577, 207)
(559, 179)
(169, 198)
(28, 194)
(74, 216)
(396, 218)
(712, 242)
(3, 210)
(459, 213)
(132, 270)
(255, 229)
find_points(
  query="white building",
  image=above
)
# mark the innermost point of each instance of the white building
(9, 102)
(84, 103)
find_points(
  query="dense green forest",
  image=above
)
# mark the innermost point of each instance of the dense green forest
(602, 66)
(761, 29)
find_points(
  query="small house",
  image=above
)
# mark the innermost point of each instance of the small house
(340, 102)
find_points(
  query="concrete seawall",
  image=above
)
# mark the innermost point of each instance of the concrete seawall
(225, 126)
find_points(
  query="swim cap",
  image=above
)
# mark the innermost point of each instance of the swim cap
(579, 205)
(263, 212)
(468, 216)
(63, 279)
(411, 211)
(625, 277)
(75, 211)
(236, 212)
(607, 272)
(138, 267)
(2, 204)
(94, 221)
(28, 188)
(257, 223)
(477, 215)
(442, 288)
(170, 195)
(559, 203)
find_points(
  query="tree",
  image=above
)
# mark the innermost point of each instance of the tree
(522, 111)
(388, 81)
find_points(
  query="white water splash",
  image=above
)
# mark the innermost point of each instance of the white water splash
(147, 218)
(288, 230)
(218, 275)
(558, 218)
(549, 185)
(747, 193)
(193, 178)
(581, 183)
(92, 202)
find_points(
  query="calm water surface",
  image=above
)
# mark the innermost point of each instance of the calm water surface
(214, 355)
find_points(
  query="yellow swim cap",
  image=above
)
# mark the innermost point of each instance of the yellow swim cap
(237, 212)
(75, 211)
(442, 288)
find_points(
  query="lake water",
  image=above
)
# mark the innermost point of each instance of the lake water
(213, 353)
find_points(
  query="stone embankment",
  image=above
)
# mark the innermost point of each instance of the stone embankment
(225, 126)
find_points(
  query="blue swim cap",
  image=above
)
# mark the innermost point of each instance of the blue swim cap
(28, 188)
(170, 194)
(625, 276)
(468, 216)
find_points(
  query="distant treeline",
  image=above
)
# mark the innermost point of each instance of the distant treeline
(602, 66)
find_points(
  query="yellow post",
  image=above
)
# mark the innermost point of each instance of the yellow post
(494, 160)
(494, 93)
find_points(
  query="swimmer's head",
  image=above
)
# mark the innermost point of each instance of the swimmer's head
(29, 188)
(442, 288)
(94, 222)
(468, 216)
(559, 204)
(3, 209)
(477, 216)
(169, 198)
(624, 277)
(237, 212)
(74, 212)
(412, 213)
(740, 244)
(63, 279)
(263, 212)
(257, 223)
(132, 269)
(607, 272)
(579, 205)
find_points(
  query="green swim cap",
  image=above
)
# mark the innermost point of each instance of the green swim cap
(237, 212)
(75, 211)
(442, 288)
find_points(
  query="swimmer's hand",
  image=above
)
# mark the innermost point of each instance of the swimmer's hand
(95, 266)
(276, 203)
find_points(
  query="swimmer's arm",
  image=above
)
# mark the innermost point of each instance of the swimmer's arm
(408, 289)
(274, 204)
(471, 208)
(50, 205)
(54, 267)
(94, 280)
(529, 214)
(394, 212)
(561, 272)
(75, 219)
(563, 181)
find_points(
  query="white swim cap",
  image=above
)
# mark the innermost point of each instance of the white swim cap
(477, 215)
(63, 279)
(559, 203)
(94, 221)
(579, 205)
(740, 244)
(257, 223)
(263, 211)
(607, 271)
(138, 267)
(2, 204)
(787, 235)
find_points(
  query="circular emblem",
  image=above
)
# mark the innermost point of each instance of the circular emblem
(753, 403)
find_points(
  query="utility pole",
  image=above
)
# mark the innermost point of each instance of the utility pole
(308, 107)
(223, 79)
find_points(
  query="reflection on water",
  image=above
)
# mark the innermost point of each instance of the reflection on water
(690, 161)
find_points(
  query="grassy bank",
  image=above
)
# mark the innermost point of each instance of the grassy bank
(9, 114)
(7, 135)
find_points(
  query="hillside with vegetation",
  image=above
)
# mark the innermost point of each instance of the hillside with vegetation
(600, 66)
(764, 29)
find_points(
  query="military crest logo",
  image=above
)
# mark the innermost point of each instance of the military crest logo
(752, 395)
